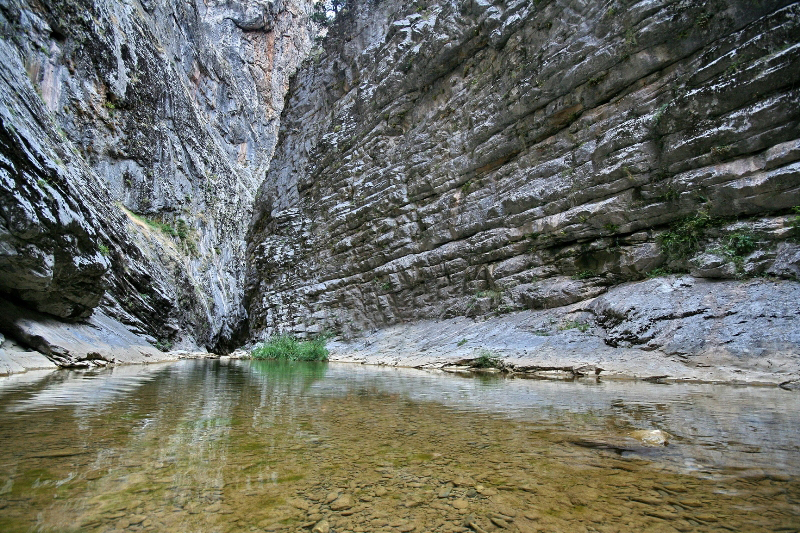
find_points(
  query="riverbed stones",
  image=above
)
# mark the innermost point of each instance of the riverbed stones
(321, 527)
(345, 501)
(651, 437)
(460, 504)
(300, 504)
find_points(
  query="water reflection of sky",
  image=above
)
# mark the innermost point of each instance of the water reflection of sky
(713, 425)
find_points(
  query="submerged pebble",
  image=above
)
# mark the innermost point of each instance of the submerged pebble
(651, 437)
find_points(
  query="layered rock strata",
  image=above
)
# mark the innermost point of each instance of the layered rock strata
(134, 136)
(668, 328)
(475, 158)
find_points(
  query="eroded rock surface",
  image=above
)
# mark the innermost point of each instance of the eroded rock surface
(441, 164)
(133, 138)
(485, 159)
(672, 328)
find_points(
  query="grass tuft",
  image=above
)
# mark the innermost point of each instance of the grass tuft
(287, 348)
(575, 324)
(659, 272)
(739, 244)
(586, 274)
(486, 359)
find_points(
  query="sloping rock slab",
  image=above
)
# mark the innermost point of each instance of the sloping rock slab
(670, 328)
(95, 341)
(15, 361)
(753, 323)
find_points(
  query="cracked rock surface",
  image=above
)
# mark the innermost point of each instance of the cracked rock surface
(599, 182)
(133, 137)
(672, 328)
(472, 165)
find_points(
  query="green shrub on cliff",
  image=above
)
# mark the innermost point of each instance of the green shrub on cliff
(737, 245)
(285, 347)
(683, 237)
(795, 223)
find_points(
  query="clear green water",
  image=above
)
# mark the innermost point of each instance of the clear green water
(207, 446)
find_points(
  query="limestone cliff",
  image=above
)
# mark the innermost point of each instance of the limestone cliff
(476, 158)
(509, 164)
(134, 136)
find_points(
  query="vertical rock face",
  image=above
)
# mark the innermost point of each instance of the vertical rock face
(134, 136)
(467, 158)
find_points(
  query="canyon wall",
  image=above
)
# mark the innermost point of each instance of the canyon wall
(473, 159)
(627, 169)
(134, 136)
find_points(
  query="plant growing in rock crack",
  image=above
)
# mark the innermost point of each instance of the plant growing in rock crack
(683, 237)
(462, 342)
(486, 359)
(574, 324)
(494, 295)
(721, 151)
(737, 245)
(669, 195)
(163, 345)
(794, 223)
(659, 272)
(660, 112)
(103, 249)
(586, 274)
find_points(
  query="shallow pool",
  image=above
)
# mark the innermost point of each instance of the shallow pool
(210, 445)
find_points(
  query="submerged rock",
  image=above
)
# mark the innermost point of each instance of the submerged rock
(321, 527)
(651, 437)
(345, 501)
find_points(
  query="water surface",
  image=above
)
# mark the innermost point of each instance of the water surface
(218, 446)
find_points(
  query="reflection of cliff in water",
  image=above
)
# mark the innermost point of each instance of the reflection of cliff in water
(213, 444)
(712, 426)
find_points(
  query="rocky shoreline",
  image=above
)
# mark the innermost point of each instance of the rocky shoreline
(674, 328)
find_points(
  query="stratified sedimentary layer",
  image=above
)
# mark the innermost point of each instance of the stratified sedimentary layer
(667, 328)
(475, 158)
(133, 138)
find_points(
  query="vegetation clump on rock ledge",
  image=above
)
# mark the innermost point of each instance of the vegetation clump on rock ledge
(287, 348)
